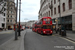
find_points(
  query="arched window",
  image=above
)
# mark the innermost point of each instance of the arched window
(51, 12)
(70, 4)
(7, 20)
(54, 1)
(54, 10)
(58, 9)
(63, 6)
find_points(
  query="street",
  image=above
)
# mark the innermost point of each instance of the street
(35, 41)
(5, 36)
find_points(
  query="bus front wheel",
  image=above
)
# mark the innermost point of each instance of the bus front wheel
(41, 33)
(50, 34)
(37, 31)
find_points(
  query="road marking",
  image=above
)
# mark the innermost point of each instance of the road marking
(6, 33)
(53, 35)
(68, 40)
(44, 36)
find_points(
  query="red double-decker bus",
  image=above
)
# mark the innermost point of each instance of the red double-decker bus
(44, 26)
(34, 27)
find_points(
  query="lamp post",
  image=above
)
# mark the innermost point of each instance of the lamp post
(19, 16)
(60, 16)
(25, 25)
(16, 20)
(62, 27)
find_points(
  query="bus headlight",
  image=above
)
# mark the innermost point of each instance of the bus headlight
(44, 31)
(51, 31)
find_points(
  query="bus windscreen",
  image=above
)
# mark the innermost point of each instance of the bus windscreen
(46, 27)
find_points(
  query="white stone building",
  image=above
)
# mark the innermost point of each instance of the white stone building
(30, 23)
(62, 11)
(3, 13)
(11, 14)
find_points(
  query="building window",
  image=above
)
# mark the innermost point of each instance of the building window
(11, 7)
(11, 16)
(4, 14)
(63, 6)
(4, 19)
(47, 13)
(8, 15)
(10, 20)
(8, 8)
(51, 12)
(54, 10)
(1, 0)
(11, 11)
(5, 0)
(4, 4)
(3, 25)
(8, 11)
(7, 20)
(58, 0)
(58, 9)
(4, 9)
(70, 4)
(51, 2)
(54, 1)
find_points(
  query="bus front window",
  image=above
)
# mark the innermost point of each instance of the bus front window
(46, 27)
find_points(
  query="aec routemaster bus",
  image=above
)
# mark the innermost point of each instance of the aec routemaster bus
(44, 25)
(34, 26)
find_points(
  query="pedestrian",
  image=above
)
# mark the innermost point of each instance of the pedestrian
(60, 30)
(57, 30)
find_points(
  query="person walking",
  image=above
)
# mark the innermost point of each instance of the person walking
(57, 30)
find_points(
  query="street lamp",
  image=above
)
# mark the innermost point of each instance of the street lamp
(16, 20)
(61, 20)
(60, 16)
(19, 16)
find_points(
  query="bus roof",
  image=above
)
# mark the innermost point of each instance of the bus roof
(45, 17)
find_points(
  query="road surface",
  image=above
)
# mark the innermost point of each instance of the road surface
(35, 41)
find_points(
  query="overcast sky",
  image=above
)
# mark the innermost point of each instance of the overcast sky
(29, 10)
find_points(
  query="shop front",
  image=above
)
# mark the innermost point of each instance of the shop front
(66, 21)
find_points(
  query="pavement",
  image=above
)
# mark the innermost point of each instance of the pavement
(13, 44)
(69, 35)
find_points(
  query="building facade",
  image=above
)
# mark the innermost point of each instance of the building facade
(3, 13)
(11, 14)
(29, 23)
(61, 12)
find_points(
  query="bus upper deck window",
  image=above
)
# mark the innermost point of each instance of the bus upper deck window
(45, 19)
(49, 19)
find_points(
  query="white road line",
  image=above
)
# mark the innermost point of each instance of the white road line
(6, 33)
(68, 40)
